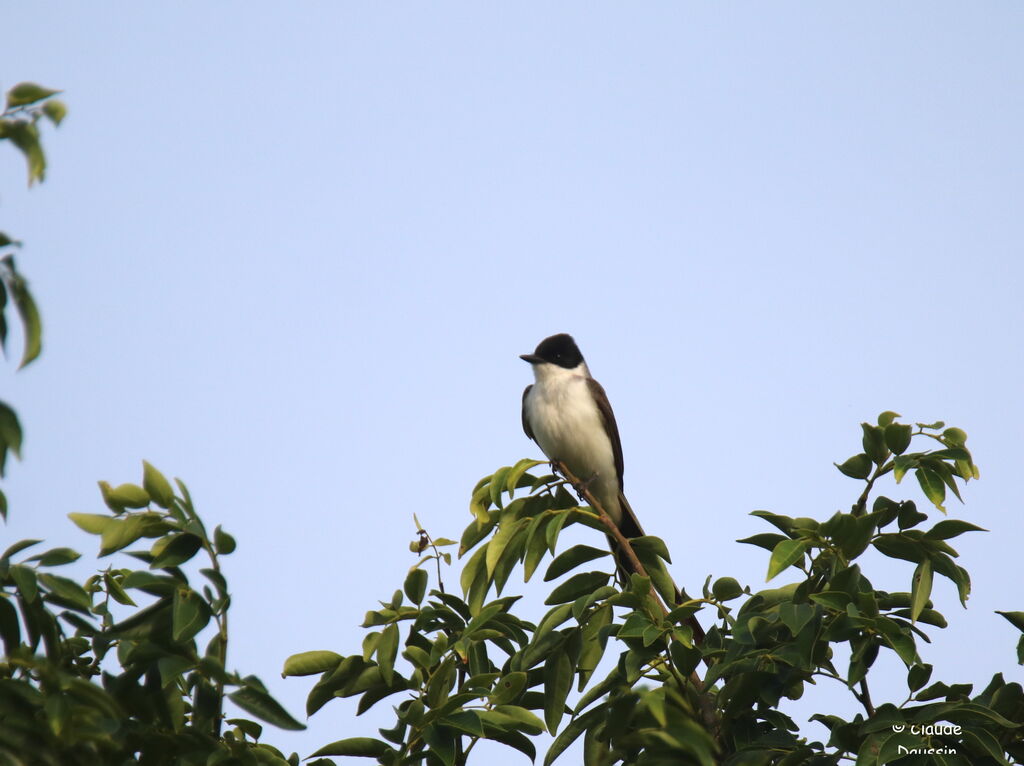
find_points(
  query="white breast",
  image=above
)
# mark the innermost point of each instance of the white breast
(568, 427)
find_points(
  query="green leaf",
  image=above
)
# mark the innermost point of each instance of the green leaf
(157, 486)
(123, 496)
(56, 557)
(260, 704)
(116, 591)
(223, 542)
(309, 663)
(10, 627)
(873, 442)
(10, 433)
(1016, 619)
(67, 590)
(174, 550)
(558, 672)
(902, 643)
(25, 135)
(508, 688)
(18, 547)
(766, 540)
(726, 589)
(784, 555)
(189, 615)
(25, 93)
(578, 585)
(25, 579)
(55, 110)
(897, 437)
(571, 733)
(93, 523)
(933, 486)
(921, 588)
(523, 718)
(415, 585)
(572, 558)
(918, 676)
(887, 417)
(118, 533)
(387, 651)
(856, 467)
(796, 616)
(949, 528)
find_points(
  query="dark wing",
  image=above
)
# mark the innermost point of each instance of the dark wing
(601, 399)
(526, 422)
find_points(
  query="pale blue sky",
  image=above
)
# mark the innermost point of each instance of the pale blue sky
(291, 254)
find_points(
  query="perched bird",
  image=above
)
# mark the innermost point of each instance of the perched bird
(567, 413)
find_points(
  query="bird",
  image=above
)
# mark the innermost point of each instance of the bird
(567, 413)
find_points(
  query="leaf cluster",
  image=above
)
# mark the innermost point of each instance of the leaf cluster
(465, 669)
(24, 106)
(111, 670)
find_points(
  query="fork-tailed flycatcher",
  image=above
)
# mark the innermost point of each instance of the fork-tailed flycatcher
(567, 413)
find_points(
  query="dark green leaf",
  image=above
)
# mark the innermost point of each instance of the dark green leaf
(257, 702)
(18, 547)
(949, 528)
(416, 585)
(575, 728)
(68, 590)
(10, 627)
(726, 589)
(897, 437)
(572, 558)
(30, 320)
(873, 442)
(558, 672)
(174, 550)
(25, 579)
(766, 540)
(1016, 619)
(856, 467)
(190, 614)
(918, 676)
(508, 688)
(10, 432)
(358, 747)
(223, 542)
(578, 585)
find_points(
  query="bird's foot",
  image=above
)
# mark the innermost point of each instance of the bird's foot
(584, 486)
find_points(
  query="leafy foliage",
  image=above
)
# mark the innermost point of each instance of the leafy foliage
(111, 670)
(25, 105)
(467, 668)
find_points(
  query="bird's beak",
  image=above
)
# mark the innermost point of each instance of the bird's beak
(531, 358)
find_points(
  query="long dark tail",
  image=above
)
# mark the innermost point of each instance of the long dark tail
(630, 527)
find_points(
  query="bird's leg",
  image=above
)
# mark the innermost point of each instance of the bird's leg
(584, 486)
(581, 487)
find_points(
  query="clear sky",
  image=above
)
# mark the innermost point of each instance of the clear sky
(291, 253)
